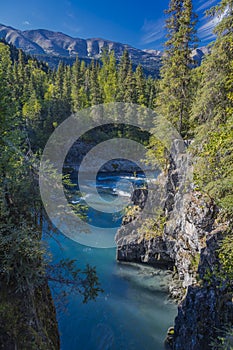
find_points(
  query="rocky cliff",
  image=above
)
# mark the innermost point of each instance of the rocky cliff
(207, 307)
(80, 149)
(188, 241)
(189, 219)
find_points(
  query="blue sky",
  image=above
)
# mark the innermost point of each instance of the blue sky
(138, 23)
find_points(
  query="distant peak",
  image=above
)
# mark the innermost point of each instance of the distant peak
(54, 44)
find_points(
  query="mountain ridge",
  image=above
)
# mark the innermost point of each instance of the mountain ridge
(51, 46)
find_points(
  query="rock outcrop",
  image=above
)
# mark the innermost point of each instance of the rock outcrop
(188, 243)
(207, 307)
(80, 149)
(189, 220)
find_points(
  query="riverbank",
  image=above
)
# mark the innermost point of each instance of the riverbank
(135, 296)
(187, 242)
(133, 313)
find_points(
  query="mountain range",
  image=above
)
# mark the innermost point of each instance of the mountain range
(52, 47)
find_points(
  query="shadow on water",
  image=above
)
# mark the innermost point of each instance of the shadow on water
(133, 313)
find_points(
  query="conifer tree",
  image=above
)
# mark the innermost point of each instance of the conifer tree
(94, 85)
(108, 77)
(212, 113)
(59, 80)
(75, 84)
(24, 269)
(151, 88)
(5, 86)
(140, 86)
(123, 72)
(130, 95)
(175, 88)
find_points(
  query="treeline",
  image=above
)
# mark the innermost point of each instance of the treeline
(43, 98)
(199, 102)
(34, 100)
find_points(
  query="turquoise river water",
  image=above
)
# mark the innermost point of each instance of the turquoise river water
(134, 312)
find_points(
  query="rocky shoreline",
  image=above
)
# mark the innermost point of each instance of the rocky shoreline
(187, 244)
(80, 149)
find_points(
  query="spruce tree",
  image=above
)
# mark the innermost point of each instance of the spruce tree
(140, 86)
(212, 113)
(75, 84)
(124, 69)
(175, 88)
(94, 85)
(108, 77)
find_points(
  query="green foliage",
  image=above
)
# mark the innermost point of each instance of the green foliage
(153, 226)
(220, 274)
(195, 262)
(157, 153)
(224, 341)
(9, 315)
(21, 256)
(176, 86)
(225, 255)
(28, 323)
(33, 102)
(212, 116)
(71, 279)
(108, 77)
(214, 169)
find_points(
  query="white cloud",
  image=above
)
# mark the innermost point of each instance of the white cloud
(70, 14)
(205, 5)
(26, 23)
(72, 28)
(153, 31)
(205, 32)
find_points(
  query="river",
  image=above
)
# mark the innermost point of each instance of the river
(134, 311)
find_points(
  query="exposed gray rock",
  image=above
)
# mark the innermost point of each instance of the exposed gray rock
(54, 46)
(131, 246)
(207, 307)
(189, 243)
(80, 149)
(152, 252)
(189, 220)
(46, 43)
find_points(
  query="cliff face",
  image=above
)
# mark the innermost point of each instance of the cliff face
(189, 220)
(81, 148)
(188, 243)
(207, 308)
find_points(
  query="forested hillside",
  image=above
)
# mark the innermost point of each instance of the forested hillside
(199, 103)
(34, 100)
